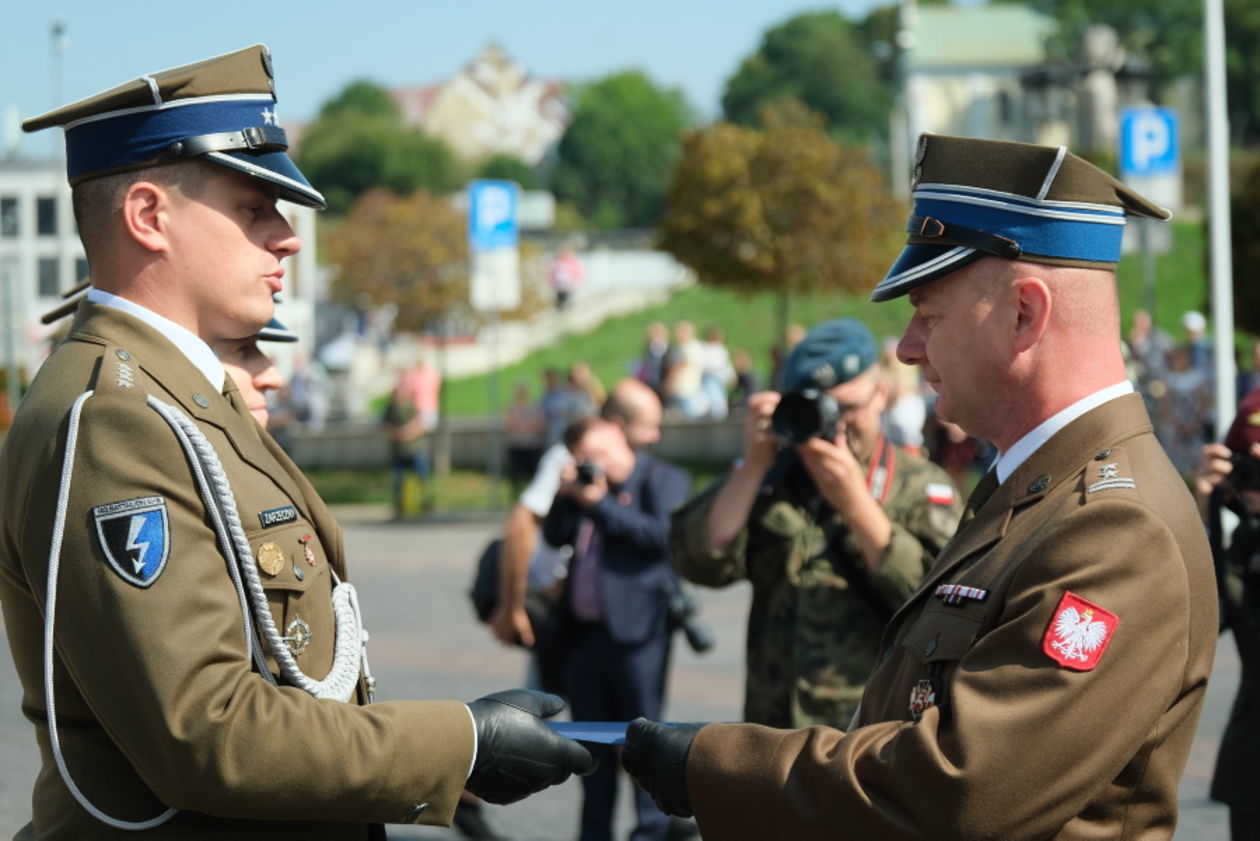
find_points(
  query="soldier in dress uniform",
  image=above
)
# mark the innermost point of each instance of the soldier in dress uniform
(834, 532)
(174, 590)
(1046, 678)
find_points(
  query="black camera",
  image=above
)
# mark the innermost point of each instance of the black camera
(1245, 474)
(684, 613)
(587, 471)
(801, 415)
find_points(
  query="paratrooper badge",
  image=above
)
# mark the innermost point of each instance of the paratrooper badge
(1079, 633)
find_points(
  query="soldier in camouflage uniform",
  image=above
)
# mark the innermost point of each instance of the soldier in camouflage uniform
(833, 535)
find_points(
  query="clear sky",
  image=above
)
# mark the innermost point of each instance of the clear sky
(320, 45)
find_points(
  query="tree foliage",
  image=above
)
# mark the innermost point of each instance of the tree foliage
(1244, 217)
(615, 157)
(412, 252)
(504, 167)
(783, 208)
(1169, 36)
(359, 143)
(820, 59)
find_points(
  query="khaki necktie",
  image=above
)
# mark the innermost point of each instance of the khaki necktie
(983, 490)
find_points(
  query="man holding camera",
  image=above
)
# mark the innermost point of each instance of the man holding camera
(613, 508)
(833, 525)
(1229, 478)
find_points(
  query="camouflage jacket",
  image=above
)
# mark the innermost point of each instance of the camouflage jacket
(816, 614)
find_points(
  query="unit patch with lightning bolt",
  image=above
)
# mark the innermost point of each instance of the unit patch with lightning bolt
(135, 536)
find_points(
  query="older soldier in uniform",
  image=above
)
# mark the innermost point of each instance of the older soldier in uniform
(1046, 678)
(834, 532)
(173, 589)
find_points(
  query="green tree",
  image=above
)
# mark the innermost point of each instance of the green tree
(820, 59)
(359, 142)
(505, 167)
(785, 208)
(615, 157)
(411, 251)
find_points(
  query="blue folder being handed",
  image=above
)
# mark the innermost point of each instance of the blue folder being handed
(599, 732)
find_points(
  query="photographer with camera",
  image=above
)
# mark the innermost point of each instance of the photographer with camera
(613, 508)
(1229, 478)
(832, 524)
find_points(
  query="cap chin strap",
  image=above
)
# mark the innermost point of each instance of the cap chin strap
(251, 139)
(929, 227)
(350, 648)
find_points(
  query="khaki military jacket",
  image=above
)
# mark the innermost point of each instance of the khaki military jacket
(157, 703)
(817, 614)
(971, 726)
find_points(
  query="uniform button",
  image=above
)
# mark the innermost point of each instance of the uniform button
(930, 649)
(1039, 484)
(298, 573)
(416, 811)
(200, 400)
(1102, 455)
(122, 354)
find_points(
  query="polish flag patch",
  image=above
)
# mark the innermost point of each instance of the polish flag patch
(940, 494)
(1079, 633)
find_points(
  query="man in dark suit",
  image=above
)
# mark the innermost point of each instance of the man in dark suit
(613, 508)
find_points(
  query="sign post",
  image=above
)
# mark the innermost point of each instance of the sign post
(1150, 162)
(493, 240)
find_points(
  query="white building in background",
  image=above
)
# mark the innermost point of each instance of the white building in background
(493, 105)
(41, 260)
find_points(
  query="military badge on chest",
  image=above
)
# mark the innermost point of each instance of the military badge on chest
(922, 698)
(1079, 633)
(135, 536)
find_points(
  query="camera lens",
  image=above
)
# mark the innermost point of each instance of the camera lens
(805, 414)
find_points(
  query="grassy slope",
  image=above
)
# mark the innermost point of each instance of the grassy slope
(751, 322)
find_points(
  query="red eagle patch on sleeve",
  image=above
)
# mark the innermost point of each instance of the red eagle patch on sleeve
(1079, 633)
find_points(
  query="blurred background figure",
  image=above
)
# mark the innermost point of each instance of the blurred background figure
(1196, 342)
(307, 392)
(907, 409)
(566, 275)
(557, 406)
(746, 382)
(525, 429)
(1148, 348)
(404, 425)
(684, 388)
(1186, 410)
(1249, 377)
(718, 375)
(779, 353)
(1228, 478)
(588, 391)
(652, 366)
(955, 451)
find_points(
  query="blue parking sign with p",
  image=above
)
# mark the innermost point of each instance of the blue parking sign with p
(1148, 141)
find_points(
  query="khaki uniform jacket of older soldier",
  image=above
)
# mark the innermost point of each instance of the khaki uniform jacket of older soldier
(1008, 743)
(813, 630)
(153, 685)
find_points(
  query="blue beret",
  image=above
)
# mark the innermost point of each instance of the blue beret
(975, 198)
(221, 110)
(832, 353)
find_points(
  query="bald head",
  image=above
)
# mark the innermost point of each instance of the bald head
(637, 409)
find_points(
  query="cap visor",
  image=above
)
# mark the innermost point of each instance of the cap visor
(274, 331)
(276, 167)
(919, 264)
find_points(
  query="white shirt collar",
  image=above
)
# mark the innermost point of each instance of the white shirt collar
(1008, 461)
(188, 342)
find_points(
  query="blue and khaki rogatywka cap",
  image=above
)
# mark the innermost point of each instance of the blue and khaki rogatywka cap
(221, 110)
(975, 198)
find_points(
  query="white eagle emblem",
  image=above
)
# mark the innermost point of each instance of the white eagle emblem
(1079, 634)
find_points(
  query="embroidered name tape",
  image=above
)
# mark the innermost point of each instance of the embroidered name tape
(135, 537)
(277, 516)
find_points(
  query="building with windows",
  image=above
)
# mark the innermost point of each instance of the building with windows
(41, 260)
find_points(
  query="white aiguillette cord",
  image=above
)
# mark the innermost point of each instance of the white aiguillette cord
(350, 648)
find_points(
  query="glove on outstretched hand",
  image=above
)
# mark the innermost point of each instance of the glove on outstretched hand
(656, 756)
(518, 755)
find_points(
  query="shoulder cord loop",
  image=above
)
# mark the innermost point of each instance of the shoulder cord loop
(351, 639)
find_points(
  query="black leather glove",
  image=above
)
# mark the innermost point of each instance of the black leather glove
(518, 755)
(656, 756)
